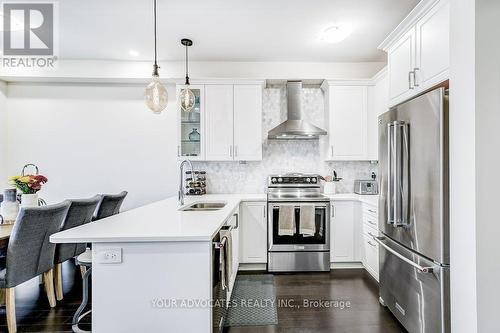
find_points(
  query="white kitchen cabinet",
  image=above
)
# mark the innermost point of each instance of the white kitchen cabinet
(347, 122)
(378, 101)
(253, 232)
(219, 122)
(433, 51)
(371, 262)
(418, 51)
(228, 120)
(342, 230)
(191, 126)
(248, 122)
(401, 63)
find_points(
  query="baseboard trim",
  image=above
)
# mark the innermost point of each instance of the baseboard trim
(346, 265)
(252, 267)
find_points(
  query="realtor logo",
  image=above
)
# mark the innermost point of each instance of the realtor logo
(29, 34)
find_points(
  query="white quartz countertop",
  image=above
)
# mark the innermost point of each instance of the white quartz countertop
(160, 221)
(369, 199)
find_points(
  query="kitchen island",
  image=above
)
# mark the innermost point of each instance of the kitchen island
(151, 266)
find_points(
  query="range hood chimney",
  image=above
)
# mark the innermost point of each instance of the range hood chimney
(295, 127)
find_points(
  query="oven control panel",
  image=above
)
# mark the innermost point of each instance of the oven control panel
(293, 180)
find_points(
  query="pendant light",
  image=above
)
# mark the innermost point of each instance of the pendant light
(156, 95)
(187, 96)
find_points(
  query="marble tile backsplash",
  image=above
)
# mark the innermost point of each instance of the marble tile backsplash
(284, 156)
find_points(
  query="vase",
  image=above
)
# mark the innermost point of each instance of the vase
(194, 136)
(29, 200)
(9, 208)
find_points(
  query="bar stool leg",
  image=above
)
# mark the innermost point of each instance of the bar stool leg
(78, 314)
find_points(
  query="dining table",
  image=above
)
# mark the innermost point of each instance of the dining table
(5, 231)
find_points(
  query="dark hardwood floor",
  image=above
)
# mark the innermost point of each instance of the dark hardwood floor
(364, 315)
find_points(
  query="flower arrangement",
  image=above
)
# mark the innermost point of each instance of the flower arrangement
(29, 184)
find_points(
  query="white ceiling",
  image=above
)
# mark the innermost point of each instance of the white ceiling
(227, 30)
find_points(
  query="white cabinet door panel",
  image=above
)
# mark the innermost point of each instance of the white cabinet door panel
(248, 122)
(433, 45)
(219, 122)
(348, 122)
(342, 231)
(253, 232)
(401, 61)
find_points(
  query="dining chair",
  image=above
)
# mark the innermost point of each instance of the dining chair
(109, 205)
(80, 212)
(30, 253)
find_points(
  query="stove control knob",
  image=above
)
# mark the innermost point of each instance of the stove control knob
(314, 179)
(280, 180)
(273, 180)
(308, 180)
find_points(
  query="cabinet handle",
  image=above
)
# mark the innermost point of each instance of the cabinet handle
(331, 151)
(178, 151)
(373, 245)
(371, 211)
(332, 213)
(371, 222)
(370, 233)
(237, 221)
(409, 79)
(230, 151)
(415, 76)
(264, 211)
(235, 151)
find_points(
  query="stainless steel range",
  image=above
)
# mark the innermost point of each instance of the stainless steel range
(298, 224)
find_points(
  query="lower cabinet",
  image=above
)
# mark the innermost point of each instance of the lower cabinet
(342, 242)
(253, 229)
(369, 245)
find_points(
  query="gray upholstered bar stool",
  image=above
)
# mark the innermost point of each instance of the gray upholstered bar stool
(109, 205)
(80, 212)
(30, 253)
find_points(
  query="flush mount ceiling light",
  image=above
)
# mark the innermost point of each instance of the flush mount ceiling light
(187, 96)
(156, 96)
(133, 53)
(336, 33)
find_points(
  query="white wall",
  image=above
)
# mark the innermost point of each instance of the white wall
(474, 160)
(3, 134)
(487, 161)
(90, 139)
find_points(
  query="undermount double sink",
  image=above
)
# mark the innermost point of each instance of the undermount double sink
(204, 206)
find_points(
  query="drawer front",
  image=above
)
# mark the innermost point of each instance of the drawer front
(370, 220)
(370, 210)
(371, 256)
(369, 231)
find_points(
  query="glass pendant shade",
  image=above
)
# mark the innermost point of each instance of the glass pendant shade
(156, 95)
(187, 99)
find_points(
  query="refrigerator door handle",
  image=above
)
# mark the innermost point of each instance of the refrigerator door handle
(421, 269)
(390, 178)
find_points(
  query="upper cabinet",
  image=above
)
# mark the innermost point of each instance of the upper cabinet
(347, 123)
(248, 122)
(190, 129)
(219, 122)
(224, 125)
(378, 101)
(418, 51)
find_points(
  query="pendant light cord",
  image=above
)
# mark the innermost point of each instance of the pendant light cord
(155, 4)
(187, 68)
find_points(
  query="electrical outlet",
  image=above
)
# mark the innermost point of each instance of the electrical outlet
(110, 256)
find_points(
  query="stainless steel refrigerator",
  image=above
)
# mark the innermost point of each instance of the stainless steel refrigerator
(413, 213)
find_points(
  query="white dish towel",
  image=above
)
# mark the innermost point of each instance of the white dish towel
(286, 220)
(307, 220)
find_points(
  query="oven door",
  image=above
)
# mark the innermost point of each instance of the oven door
(319, 241)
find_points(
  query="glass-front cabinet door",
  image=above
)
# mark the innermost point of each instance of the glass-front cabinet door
(191, 126)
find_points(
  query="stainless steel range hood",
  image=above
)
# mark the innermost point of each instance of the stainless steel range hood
(295, 127)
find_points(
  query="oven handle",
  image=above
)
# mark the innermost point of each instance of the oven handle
(421, 269)
(298, 206)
